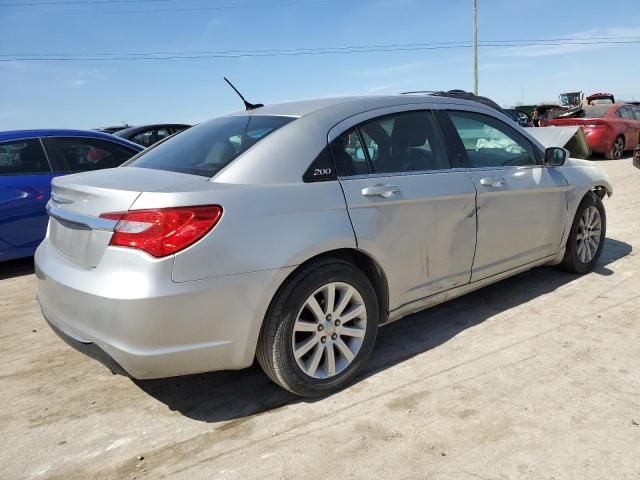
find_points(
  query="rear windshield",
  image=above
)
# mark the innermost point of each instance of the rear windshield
(595, 111)
(209, 147)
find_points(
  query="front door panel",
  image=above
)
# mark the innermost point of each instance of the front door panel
(521, 204)
(521, 217)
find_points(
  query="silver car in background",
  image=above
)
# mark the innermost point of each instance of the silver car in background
(293, 231)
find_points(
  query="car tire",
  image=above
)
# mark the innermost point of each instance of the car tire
(616, 150)
(291, 325)
(587, 236)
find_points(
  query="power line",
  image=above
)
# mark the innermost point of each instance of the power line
(79, 2)
(339, 49)
(283, 53)
(188, 9)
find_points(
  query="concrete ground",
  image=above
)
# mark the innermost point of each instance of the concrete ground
(532, 378)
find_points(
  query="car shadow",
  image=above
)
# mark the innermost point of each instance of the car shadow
(16, 268)
(229, 395)
(599, 157)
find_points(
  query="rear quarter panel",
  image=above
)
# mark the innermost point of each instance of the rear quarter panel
(263, 227)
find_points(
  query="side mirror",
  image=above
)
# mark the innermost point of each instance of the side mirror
(555, 156)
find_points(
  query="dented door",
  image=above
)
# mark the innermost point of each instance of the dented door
(423, 232)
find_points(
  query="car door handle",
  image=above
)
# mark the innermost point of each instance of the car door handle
(384, 191)
(492, 182)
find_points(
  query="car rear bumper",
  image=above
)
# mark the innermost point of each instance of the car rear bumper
(153, 327)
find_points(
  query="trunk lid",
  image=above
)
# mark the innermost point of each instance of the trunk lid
(77, 201)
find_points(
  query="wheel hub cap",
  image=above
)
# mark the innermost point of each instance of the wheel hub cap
(589, 233)
(329, 330)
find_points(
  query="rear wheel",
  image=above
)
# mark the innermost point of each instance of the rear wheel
(587, 235)
(320, 329)
(616, 151)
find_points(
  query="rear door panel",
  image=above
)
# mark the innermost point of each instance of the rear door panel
(423, 237)
(23, 217)
(423, 233)
(23, 196)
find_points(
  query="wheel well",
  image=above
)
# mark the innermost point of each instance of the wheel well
(600, 191)
(367, 265)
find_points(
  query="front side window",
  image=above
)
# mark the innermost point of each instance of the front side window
(490, 142)
(85, 154)
(23, 157)
(209, 147)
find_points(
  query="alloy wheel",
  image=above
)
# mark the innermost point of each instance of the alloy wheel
(329, 330)
(618, 148)
(589, 232)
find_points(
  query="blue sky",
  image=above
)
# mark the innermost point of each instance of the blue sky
(87, 94)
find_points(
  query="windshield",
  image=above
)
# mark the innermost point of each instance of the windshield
(209, 147)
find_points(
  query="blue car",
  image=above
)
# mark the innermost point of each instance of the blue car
(29, 159)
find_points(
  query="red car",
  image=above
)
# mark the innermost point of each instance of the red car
(610, 129)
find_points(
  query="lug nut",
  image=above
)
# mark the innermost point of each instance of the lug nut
(320, 328)
(334, 336)
(323, 339)
(329, 317)
(337, 323)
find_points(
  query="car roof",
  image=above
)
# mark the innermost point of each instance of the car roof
(50, 132)
(283, 155)
(304, 107)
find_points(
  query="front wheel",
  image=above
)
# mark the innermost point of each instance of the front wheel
(320, 329)
(587, 235)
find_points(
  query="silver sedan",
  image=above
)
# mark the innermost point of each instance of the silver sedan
(291, 232)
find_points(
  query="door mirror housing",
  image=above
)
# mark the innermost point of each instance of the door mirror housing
(555, 156)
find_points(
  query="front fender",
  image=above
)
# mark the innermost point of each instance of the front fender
(582, 177)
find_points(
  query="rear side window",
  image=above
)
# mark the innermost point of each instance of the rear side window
(490, 142)
(209, 147)
(402, 142)
(85, 154)
(23, 157)
(150, 137)
(143, 138)
(348, 154)
(594, 111)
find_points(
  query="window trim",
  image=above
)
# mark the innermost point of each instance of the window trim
(465, 161)
(46, 156)
(430, 110)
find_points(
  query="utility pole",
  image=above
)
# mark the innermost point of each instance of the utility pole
(475, 46)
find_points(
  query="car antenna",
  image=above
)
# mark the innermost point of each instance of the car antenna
(247, 105)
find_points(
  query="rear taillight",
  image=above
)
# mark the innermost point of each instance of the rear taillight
(163, 231)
